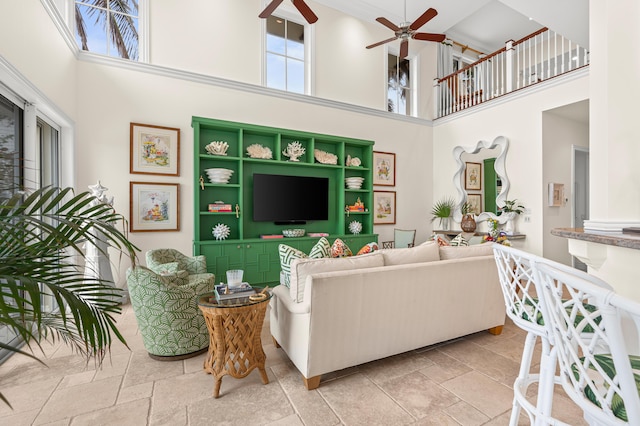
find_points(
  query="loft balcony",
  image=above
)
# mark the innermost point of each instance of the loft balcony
(533, 59)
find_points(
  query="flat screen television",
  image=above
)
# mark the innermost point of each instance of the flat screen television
(290, 199)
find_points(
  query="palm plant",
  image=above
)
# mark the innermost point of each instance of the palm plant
(40, 257)
(116, 20)
(442, 210)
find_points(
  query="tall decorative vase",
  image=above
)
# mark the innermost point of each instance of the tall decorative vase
(444, 223)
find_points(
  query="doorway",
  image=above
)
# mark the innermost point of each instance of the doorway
(580, 186)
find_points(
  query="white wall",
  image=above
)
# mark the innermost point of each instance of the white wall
(520, 120)
(559, 134)
(129, 96)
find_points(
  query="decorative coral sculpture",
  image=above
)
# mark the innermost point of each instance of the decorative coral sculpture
(355, 227)
(259, 151)
(324, 157)
(221, 231)
(217, 148)
(294, 150)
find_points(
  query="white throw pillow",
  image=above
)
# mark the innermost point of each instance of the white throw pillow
(426, 252)
(302, 268)
(450, 252)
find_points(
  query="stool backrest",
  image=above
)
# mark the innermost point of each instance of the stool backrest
(586, 319)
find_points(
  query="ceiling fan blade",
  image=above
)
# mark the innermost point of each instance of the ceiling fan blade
(387, 23)
(270, 8)
(305, 10)
(404, 48)
(426, 17)
(381, 42)
(429, 37)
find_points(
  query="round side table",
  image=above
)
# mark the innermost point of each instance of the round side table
(235, 346)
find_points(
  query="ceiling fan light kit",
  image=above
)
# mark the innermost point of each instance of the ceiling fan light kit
(407, 30)
(302, 7)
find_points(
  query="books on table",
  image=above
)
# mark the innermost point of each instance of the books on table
(224, 293)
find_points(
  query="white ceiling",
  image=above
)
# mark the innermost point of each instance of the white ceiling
(484, 25)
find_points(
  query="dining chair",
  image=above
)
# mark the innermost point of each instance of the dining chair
(402, 238)
(593, 328)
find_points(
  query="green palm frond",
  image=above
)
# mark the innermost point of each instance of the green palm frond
(41, 239)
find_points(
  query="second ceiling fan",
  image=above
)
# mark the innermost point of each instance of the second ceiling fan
(407, 30)
(302, 7)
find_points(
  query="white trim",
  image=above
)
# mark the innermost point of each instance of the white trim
(246, 87)
(516, 94)
(61, 24)
(39, 105)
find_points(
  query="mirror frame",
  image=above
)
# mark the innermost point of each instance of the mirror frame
(499, 166)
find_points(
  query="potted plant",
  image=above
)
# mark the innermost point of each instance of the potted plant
(42, 234)
(442, 210)
(511, 210)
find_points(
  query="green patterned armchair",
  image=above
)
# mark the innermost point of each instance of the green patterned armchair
(164, 300)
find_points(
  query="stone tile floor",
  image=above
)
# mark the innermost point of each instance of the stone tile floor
(466, 381)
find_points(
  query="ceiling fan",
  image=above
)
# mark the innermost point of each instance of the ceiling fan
(302, 7)
(408, 30)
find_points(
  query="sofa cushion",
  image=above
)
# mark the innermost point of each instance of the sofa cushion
(340, 249)
(169, 268)
(302, 268)
(469, 251)
(321, 249)
(368, 248)
(425, 252)
(287, 255)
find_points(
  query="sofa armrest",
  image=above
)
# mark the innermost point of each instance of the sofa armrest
(282, 293)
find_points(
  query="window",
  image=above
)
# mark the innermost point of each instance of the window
(399, 85)
(285, 55)
(108, 27)
(10, 147)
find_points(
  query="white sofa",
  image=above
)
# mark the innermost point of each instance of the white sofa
(382, 304)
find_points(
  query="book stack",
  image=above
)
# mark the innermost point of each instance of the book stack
(224, 293)
(220, 208)
(318, 234)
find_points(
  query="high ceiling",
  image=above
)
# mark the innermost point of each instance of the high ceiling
(484, 25)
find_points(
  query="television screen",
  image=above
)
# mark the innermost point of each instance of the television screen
(290, 199)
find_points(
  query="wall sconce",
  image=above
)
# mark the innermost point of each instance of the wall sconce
(556, 194)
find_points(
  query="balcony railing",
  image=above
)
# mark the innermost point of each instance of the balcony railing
(535, 58)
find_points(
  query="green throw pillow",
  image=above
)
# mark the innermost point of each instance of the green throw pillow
(287, 255)
(322, 249)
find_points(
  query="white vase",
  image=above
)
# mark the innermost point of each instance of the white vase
(510, 224)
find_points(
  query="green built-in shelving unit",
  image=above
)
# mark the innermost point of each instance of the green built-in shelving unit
(244, 249)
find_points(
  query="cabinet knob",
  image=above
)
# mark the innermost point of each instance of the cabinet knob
(239, 246)
(248, 245)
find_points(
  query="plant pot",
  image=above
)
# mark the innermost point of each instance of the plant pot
(444, 223)
(468, 223)
(510, 224)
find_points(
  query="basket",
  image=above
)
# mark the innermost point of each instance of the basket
(293, 232)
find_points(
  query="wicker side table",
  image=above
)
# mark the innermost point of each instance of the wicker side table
(235, 346)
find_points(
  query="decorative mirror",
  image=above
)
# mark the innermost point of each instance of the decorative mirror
(500, 145)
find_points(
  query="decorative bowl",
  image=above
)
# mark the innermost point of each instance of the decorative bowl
(293, 232)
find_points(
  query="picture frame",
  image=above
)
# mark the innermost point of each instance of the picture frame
(556, 194)
(384, 168)
(154, 206)
(473, 176)
(384, 207)
(475, 202)
(154, 150)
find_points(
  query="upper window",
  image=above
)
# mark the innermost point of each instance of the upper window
(285, 55)
(108, 27)
(399, 85)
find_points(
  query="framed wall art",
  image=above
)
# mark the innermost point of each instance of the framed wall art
(475, 201)
(473, 176)
(154, 150)
(384, 168)
(384, 207)
(556, 194)
(154, 207)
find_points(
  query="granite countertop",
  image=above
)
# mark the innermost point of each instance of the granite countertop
(631, 241)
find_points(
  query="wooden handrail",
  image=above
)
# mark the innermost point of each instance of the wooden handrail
(479, 61)
(532, 35)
